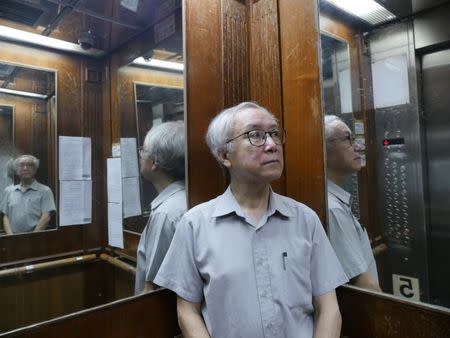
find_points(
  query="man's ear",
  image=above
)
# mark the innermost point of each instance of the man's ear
(155, 164)
(223, 156)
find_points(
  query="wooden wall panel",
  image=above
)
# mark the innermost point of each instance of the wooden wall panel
(79, 113)
(303, 118)
(369, 316)
(265, 64)
(236, 52)
(204, 78)
(149, 315)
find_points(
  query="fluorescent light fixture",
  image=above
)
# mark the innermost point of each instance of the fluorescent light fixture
(155, 63)
(21, 93)
(41, 40)
(368, 10)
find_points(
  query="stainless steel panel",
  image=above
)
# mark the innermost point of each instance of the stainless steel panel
(399, 166)
(436, 99)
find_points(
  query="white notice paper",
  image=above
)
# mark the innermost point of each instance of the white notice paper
(75, 201)
(345, 91)
(115, 228)
(128, 151)
(131, 197)
(114, 180)
(390, 81)
(74, 158)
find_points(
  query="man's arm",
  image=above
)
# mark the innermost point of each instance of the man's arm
(327, 318)
(190, 319)
(43, 221)
(7, 225)
(366, 281)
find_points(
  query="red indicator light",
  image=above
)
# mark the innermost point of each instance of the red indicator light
(386, 142)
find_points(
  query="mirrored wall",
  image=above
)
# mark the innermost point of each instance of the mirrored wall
(27, 149)
(385, 83)
(151, 92)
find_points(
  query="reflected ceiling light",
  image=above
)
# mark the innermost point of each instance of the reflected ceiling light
(41, 40)
(368, 10)
(155, 63)
(21, 93)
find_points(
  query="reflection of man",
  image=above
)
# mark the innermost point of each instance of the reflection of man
(252, 263)
(348, 237)
(162, 163)
(27, 205)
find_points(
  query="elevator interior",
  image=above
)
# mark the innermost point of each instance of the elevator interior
(404, 81)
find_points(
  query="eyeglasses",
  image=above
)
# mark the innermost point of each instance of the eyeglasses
(350, 138)
(258, 137)
(143, 154)
(26, 164)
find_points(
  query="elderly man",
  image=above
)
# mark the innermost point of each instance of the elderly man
(162, 163)
(348, 237)
(252, 263)
(27, 205)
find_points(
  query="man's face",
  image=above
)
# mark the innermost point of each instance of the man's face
(342, 156)
(248, 163)
(146, 165)
(25, 168)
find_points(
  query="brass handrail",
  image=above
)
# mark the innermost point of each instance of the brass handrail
(118, 263)
(47, 265)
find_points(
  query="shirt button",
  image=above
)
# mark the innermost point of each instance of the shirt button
(269, 326)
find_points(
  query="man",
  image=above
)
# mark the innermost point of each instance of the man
(27, 205)
(252, 263)
(348, 237)
(162, 163)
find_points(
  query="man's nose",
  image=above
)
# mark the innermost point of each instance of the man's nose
(270, 143)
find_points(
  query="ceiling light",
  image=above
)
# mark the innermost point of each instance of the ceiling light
(41, 40)
(368, 10)
(156, 63)
(21, 93)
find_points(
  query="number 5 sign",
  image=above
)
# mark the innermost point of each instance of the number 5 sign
(406, 287)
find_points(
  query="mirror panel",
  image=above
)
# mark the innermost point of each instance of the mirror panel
(399, 70)
(28, 127)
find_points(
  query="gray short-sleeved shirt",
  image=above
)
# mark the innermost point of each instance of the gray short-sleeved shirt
(349, 240)
(253, 280)
(166, 210)
(24, 209)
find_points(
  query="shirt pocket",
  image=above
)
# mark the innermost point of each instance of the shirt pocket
(33, 205)
(296, 281)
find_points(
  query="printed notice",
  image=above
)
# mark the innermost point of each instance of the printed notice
(115, 227)
(131, 197)
(74, 158)
(129, 155)
(75, 200)
(114, 180)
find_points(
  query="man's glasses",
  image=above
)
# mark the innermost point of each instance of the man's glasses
(258, 137)
(143, 154)
(349, 138)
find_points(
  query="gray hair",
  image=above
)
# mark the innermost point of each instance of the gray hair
(166, 142)
(221, 129)
(33, 159)
(329, 122)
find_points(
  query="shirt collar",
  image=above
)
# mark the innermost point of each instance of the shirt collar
(171, 189)
(227, 204)
(32, 186)
(338, 192)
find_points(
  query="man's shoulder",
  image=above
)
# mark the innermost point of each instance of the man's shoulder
(294, 206)
(41, 187)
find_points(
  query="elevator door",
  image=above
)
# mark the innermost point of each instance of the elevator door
(436, 101)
